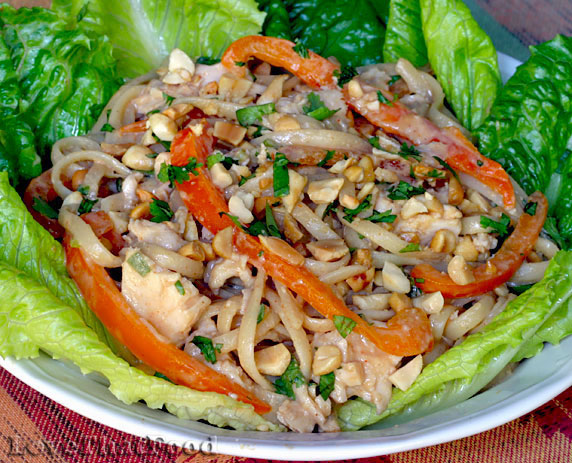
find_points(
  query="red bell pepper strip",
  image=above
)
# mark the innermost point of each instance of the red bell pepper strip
(107, 302)
(497, 270)
(206, 203)
(460, 153)
(315, 71)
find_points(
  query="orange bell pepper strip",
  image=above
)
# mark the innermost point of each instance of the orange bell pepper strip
(497, 270)
(459, 153)
(107, 302)
(206, 203)
(134, 127)
(315, 71)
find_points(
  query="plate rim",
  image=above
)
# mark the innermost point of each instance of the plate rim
(243, 444)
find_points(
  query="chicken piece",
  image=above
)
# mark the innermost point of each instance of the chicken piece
(158, 298)
(161, 234)
(307, 411)
(426, 225)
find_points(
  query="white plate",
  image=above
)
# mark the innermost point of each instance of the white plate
(534, 382)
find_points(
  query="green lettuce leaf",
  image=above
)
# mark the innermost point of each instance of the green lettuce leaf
(53, 80)
(404, 36)
(143, 32)
(27, 246)
(530, 125)
(277, 22)
(350, 30)
(463, 58)
(465, 369)
(32, 318)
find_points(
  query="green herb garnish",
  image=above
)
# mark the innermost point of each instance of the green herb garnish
(350, 214)
(206, 60)
(409, 151)
(434, 173)
(381, 98)
(271, 224)
(346, 74)
(329, 155)
(206, 346)
(243, 180)
(393, 80)
(261, 313)
(86, 205)
(374, 141)
(179, 174)
(252, 114)
(139, 263)
(301, 50)
(240, 63)
(41, 206)
(317, 109)
(382, 217)
(344, 325)
(180, 288)
(107, 127)
(411, 247)
(281, 177)
(292, 375)
(500, 227)
(447, 166)
(215, 158)
(326, 386)
(168, 99)
(404, 191)
(160, 211)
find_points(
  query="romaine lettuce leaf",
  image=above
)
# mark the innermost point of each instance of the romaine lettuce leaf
(27, 246)
(530, 127)
(463, 58)
(465, 369)
(51, 79)
(350, 30)
(143, 32)
(32, 318)
(404, 36)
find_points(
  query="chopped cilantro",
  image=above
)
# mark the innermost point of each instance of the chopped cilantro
(374, 141)
(292, 375)
(107, 127)
(344, 325)
(317, 109)
(435, 174)
(409, 151)
(329, 155)
(206, 346)
(251, 114)
(480, 163)
(411, 247)
(179, 174)
(411, 172)
(500, 227)
(83, 189)
(281, 177)
(332, 207)
(168, 99)
(271, 224)
(153, 111)
(381, 98)
(326, 386)
(139, 263)
(166, 144)
(447, 166)
(243, 180)
(346, 74)
(217, 157)
(301, 50)
(86, 205)
(383, 217)
(258, 131)
(180, 288)
(41, 206)
(530, 208)
(160, 211)
(240, 63)
(404, 191)
(119, 184)
(261, 313)
(350, 214)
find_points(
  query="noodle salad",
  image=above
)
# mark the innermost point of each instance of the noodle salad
(288, 232)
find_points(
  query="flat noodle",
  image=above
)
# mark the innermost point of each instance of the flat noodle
(120, 113)
(212, 106)
(292, 317)
(546, 247)
(318, 325)
(228, 310)
(70, 145)
(377, 234)
(312, 223)
(82, 233)
(470, 318)
(319, 268)
(247, 330)
(317, 138)
(173, 261)
(110, 162)
(342, 274)
(529, 272)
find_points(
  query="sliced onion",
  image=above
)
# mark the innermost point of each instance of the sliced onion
(82, 233)
(70, 145)
(327, 139)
